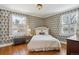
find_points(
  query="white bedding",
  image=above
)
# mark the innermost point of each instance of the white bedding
(43, 43)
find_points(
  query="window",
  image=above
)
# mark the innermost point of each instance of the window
(69, 24)
(18, 25)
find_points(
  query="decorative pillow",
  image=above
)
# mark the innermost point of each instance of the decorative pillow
(42, 33)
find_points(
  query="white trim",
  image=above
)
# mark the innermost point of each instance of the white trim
(26, 12)
(4, 45)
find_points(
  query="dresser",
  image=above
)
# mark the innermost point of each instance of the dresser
(73, 45)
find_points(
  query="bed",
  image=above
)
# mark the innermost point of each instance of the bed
(42, 41)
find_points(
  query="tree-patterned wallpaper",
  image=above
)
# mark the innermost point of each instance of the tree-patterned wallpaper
(4, 26)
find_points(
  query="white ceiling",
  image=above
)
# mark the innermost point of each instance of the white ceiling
(46, 11)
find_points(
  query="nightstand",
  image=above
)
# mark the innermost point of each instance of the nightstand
(28, 38)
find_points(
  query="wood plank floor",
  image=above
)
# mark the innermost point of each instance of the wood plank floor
(22, 50)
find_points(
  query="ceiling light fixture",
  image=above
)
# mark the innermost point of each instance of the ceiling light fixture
(39, 6)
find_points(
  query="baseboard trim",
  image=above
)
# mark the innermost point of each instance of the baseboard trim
(4, 45)
(9, 44)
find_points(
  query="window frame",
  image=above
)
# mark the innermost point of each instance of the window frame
(71, 25)
(21, 26)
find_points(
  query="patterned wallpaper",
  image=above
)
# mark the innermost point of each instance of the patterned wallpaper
(4, 27)
(54, 24)
(6, 24)
(34, 22)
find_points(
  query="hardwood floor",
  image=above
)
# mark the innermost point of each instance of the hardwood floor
(22, 50)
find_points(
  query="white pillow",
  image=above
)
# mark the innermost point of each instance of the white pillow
(42, 30)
